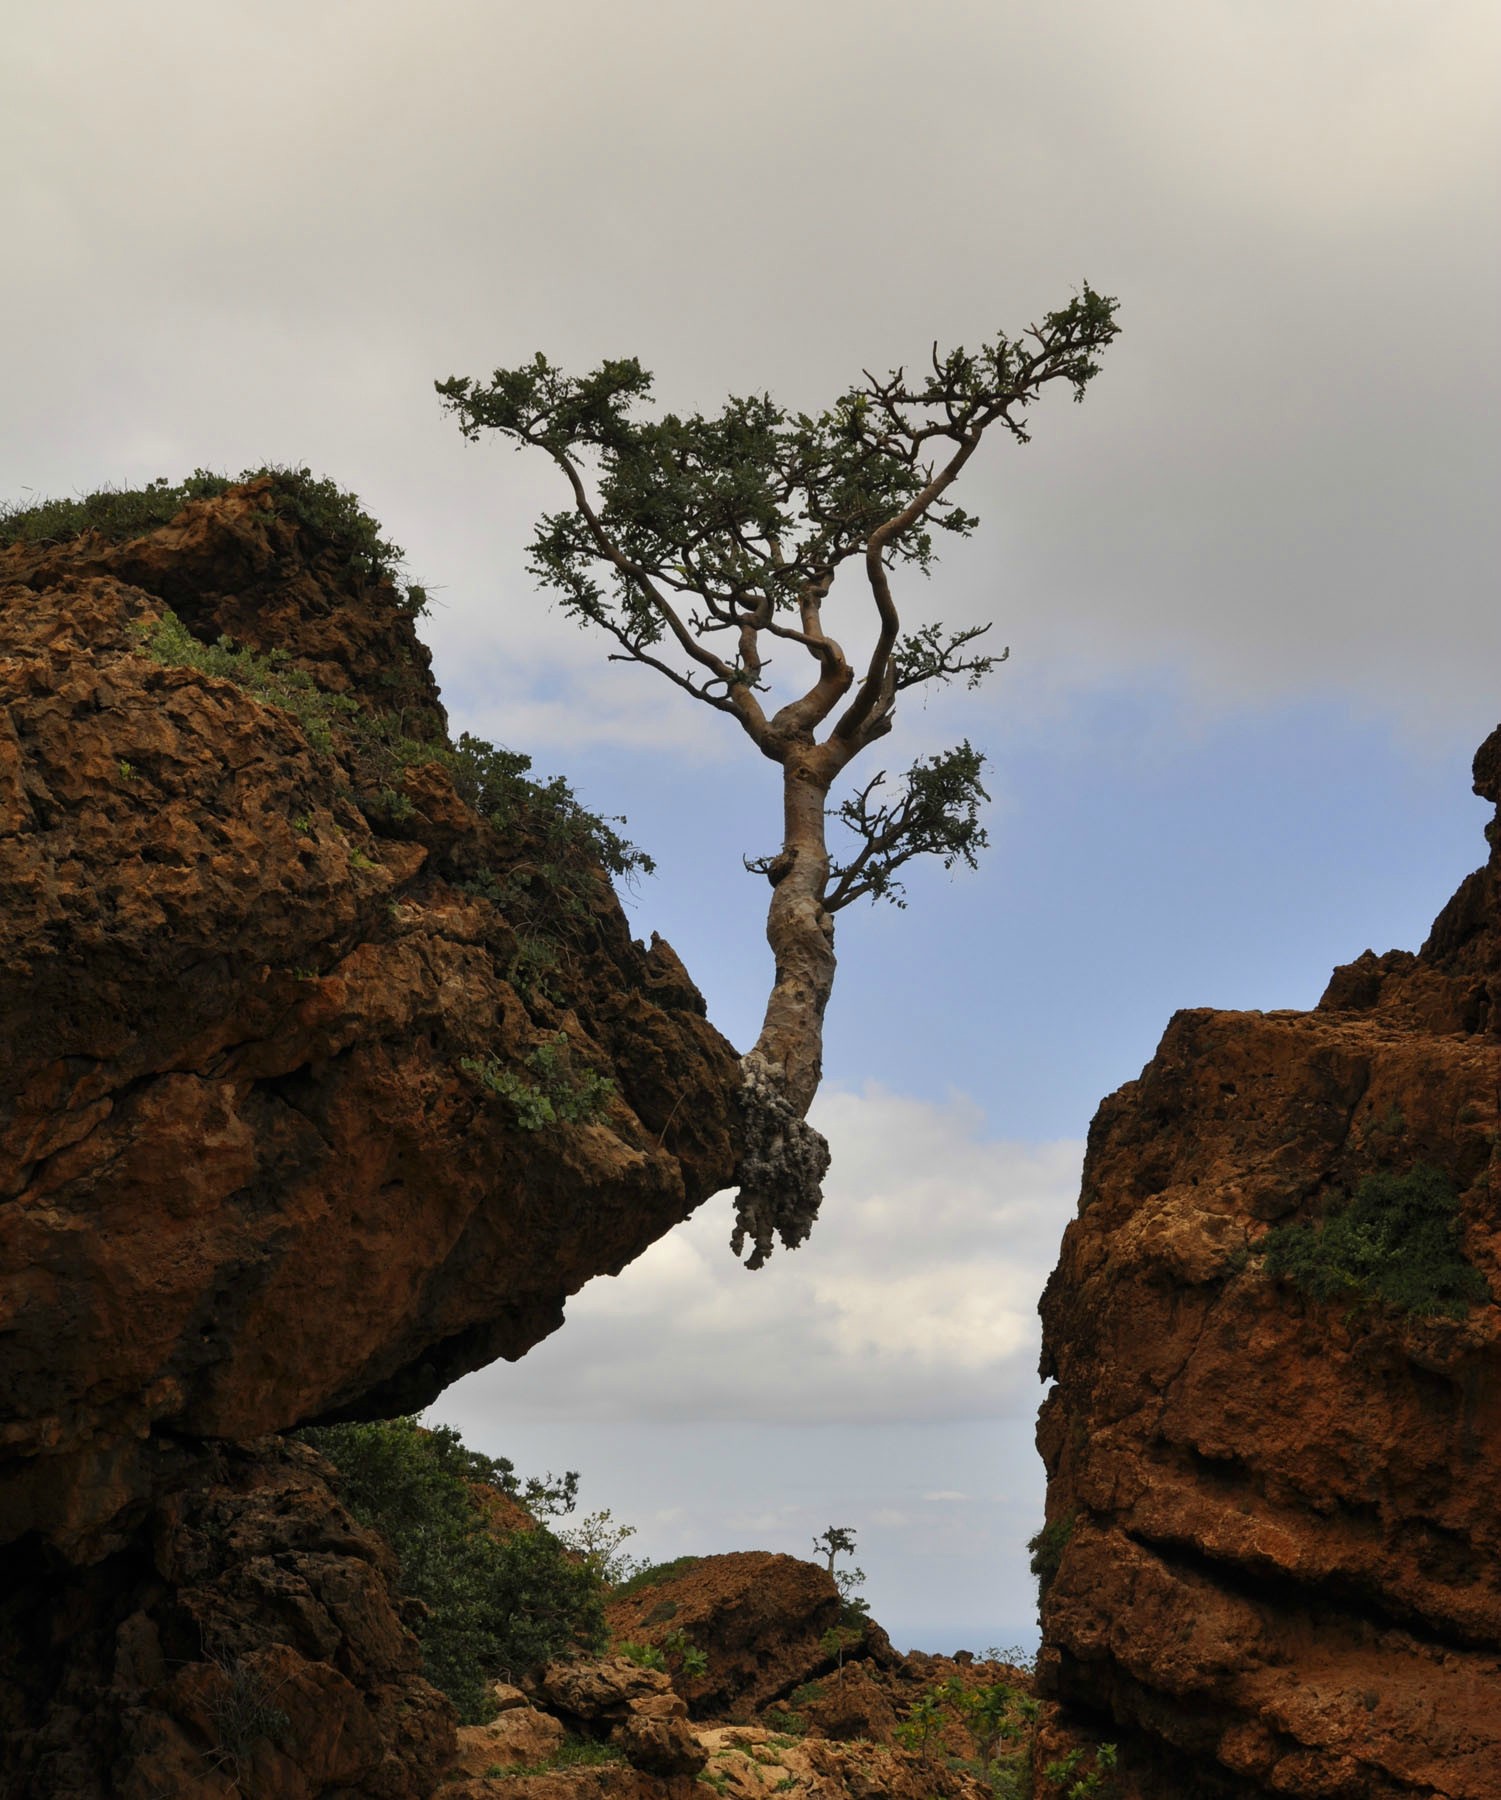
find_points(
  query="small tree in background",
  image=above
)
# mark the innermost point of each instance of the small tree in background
(600, 1541)
(705, 548)
(836, 1541)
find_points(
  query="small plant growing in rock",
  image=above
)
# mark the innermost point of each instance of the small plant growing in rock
(1397, 1242)
(243, 1713)
(684, 1656)
(1047, 1547)
(560, 1094)
(924, 1719)
(836, 1641)
(1083, 1774)
(272, 677)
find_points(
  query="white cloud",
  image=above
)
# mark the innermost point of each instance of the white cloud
(914, 1299)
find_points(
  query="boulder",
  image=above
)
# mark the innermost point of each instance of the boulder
(519, 1736)
(759, 1620)
(249, 1176)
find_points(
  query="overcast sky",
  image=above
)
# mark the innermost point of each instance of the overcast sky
(1249, 586)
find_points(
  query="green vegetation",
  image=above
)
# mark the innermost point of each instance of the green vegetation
(572, 1753)
(560, 1094)
(116, 513)
(1047, 1547)
(243, 1713)
(497, 785)
(272, 676)
(599, 1539)
(654, 1574)
(1000, 1719)
(493, 781)
(676, 1655)
(497, 1605)
(1397, 1243)
(924, 1720)
(686, 1657)
(1082, 1773)
(123, 513)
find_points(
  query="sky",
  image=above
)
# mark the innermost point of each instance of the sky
(1248, 587)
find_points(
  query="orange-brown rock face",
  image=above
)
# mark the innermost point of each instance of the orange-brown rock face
(1276, 1520)
(760, 1620)
(244, 1180)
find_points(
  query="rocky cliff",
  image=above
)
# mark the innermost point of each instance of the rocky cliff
(328, 1071)
(1272, 1563)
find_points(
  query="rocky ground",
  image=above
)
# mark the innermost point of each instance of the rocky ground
(768, 1706)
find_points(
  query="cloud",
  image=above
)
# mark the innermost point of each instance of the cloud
(1281, 486)
(915, 1298)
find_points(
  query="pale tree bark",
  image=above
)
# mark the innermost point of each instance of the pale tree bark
(781, 1174)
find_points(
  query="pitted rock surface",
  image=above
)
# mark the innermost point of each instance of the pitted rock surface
(244, 1181)
(1279, 1518)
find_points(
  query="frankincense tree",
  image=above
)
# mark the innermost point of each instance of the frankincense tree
(703, 545)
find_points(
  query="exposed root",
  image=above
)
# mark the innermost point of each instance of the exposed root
(781, 1173)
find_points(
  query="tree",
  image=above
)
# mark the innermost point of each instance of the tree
(833, 1541)
(703, 545)
(599, 1541)
(494, 1603)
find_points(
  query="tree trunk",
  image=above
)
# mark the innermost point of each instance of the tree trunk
(801, 935)
(782, 1170)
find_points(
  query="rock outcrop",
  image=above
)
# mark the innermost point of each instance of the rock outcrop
(759, 1620)
(320, 1086)
(244, 1641)
(1273, 1556)
(614, 1706)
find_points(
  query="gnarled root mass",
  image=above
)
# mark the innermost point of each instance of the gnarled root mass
(781, 1172)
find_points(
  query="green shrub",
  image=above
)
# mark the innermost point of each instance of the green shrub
(1396, 1242)
(117, 513)
(271, 676)
(497, 1606)
(1047, 1548)
(560, 1094)
(654, 1574)
(296, 493)
(498, 785)
(535, 893)
(1082, 1774)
